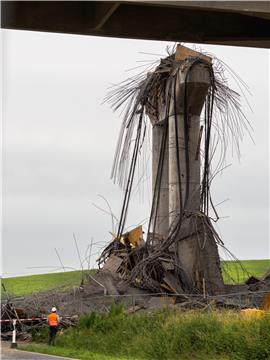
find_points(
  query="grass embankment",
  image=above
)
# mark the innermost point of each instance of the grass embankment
(27, 285)
(163, 335)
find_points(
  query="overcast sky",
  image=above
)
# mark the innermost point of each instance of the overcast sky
(59, 141)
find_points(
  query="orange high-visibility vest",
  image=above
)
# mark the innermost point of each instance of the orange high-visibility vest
(53, 319)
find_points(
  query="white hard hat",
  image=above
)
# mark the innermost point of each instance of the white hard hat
(53, 309)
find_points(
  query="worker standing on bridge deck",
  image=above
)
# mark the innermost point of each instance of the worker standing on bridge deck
(53, 322)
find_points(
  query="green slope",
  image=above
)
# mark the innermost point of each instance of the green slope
(27, 285)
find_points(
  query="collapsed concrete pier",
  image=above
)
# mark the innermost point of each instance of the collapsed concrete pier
(180, 252)
(180, 185)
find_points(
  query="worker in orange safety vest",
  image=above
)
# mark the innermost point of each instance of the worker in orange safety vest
(53, 322)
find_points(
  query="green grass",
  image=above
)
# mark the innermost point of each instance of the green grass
(163, 335)
(63, 351)
(233, 271)
(89, 355)
(27, 285)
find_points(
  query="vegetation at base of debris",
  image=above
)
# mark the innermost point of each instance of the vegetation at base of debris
(27, 285)
(168, 334)
(233, 270)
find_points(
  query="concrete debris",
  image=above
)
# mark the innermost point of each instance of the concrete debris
(113, 263)
(171, 283)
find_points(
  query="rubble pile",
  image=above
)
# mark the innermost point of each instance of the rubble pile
(106, 287)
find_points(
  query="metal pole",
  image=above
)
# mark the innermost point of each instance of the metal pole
(204, 293)
(14, 343)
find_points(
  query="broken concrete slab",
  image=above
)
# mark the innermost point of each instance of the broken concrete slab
(170, 280)
(112, 264)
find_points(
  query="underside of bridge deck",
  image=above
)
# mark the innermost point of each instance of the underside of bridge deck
(240, 23)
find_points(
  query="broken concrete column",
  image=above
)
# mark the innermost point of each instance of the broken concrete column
(197, 252)
(184, 177)
(188, 178)
(180, 190)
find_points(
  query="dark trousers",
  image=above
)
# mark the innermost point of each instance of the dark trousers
(52, 334)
